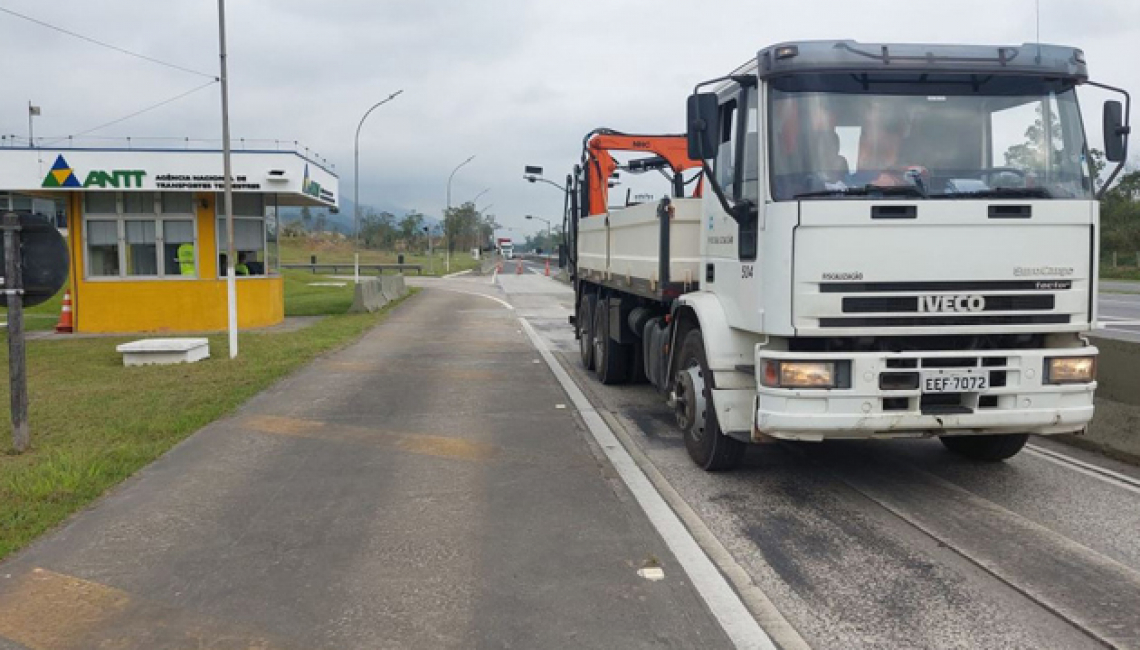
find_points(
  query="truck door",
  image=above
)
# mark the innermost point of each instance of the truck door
(731, 265)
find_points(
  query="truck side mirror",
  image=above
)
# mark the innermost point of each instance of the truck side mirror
(1115, 133)
(702, 121)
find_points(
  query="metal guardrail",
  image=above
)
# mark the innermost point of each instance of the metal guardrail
(379, 268)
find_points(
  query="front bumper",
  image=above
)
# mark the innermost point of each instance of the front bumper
(1016, 401)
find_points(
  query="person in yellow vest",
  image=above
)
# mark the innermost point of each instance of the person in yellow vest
(241, 268)
(186, 259)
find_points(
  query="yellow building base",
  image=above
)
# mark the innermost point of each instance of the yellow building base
(176, 305)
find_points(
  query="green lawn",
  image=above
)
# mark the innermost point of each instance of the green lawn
(95, 422)
(1120, 273)
(300, 250)
(43, 316)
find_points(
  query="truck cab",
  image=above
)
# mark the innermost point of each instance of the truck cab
(895, 241)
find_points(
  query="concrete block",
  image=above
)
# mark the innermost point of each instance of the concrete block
(393, 287)
(368, 296)
(148, 352)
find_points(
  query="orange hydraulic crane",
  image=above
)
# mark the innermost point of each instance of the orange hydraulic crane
(671, 150)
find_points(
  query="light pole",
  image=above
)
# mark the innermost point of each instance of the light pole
(231, 283)
(476, 199)
(549, 236)
(356, 176)
(447, 236)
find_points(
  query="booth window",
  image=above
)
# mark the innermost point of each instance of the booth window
(142, 247)
(139, 234)
(249, 235)
(103, 248)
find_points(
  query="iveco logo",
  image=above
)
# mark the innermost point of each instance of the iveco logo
(951, 303)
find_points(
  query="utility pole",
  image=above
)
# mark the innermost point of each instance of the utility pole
(231, 282)
(17, 359)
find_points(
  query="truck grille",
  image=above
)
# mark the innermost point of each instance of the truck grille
(946, 321)
(905, 304)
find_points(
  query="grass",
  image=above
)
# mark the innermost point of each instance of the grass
(304, 299)
(298, 250)
(1120, 273)
(43, 316)
(95, 422)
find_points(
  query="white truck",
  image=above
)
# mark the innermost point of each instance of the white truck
(886, 241)
(506, 248)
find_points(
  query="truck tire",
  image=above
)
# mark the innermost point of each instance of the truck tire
(707, 445)
(611, 359)
(992, 448)
(585, 324)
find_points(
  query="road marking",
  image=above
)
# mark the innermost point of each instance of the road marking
(724, 603)
(458, 273)
(481, 295)
(1088, 469)
(495, 275)
(1129, 303)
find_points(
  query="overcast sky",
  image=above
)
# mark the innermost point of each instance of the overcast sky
(513, 82)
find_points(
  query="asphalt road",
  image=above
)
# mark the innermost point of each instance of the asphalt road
(893, 544)
(425, 487)
(1119, 306)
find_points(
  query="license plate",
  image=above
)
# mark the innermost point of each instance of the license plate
(955, 381)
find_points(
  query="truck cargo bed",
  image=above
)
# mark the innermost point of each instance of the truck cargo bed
(622, 249)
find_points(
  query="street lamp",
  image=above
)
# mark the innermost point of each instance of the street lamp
(447, 239)
(476, 199)
(533, 174)
(549, 236)
(356, 177)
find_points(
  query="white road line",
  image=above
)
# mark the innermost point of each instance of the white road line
(1106, 475)
(481, 295)
(724, 603)
(1129, 303)
(458, 273)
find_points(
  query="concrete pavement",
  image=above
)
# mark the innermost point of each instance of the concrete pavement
(424, 488)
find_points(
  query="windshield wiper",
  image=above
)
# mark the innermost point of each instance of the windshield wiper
(999, 193)
(867, 190)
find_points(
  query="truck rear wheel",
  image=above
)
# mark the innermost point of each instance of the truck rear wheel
(611, 359)
(991, 448)
(585, 324)
(692, 394)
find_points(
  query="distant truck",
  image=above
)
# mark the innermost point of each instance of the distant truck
(506, 248)
(883, 241)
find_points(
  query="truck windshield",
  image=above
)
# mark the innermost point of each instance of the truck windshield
(848, 136)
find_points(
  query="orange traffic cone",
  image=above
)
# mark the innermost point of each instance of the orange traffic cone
(518, 268)
(65, 326)
(548, 267)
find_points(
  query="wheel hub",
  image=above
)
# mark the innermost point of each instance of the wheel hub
(689, 401)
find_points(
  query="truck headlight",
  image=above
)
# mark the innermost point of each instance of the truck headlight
(799, 374)
(1070, 370)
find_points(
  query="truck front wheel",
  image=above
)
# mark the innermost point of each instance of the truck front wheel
(692, 398)
(991, 448)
